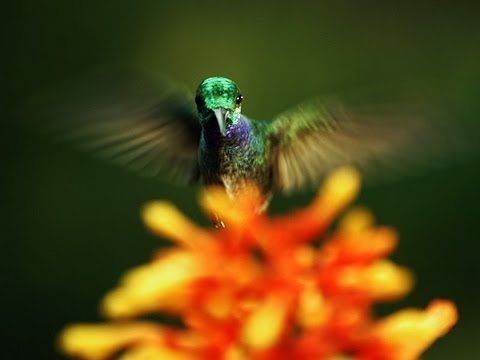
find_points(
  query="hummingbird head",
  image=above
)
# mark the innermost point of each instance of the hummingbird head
(220, 97)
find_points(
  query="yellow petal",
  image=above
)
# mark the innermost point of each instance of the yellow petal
(311, 308)
(159, 285)
(357, 220)
(412, 331)
(219, 304)
(93, 342)
(338, 190)
(262, 329)
(164, 219)
(383, 280)
(155, 352)
(375, 242)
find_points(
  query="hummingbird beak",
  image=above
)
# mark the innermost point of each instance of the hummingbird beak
(221, 115)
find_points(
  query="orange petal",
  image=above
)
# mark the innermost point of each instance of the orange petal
(361, 247)
(337, 191)
(247, 205)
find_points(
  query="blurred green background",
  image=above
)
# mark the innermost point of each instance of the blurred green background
(70, 223)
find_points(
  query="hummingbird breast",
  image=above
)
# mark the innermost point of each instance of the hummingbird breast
(233, 160)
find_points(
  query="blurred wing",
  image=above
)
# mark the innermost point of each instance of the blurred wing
(146, 126)
(320, 135)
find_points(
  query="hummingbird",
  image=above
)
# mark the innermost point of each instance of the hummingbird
(207, 137)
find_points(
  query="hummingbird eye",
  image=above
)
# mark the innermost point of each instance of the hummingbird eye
(199, 101)
(239, 99)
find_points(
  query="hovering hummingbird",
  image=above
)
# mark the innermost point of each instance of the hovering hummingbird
(216, 143)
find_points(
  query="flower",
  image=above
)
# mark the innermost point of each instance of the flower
(265, 288)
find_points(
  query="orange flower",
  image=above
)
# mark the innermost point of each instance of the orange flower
(261, 289)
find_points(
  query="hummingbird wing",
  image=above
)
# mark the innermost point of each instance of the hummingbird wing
(315, 137)
(150, 127)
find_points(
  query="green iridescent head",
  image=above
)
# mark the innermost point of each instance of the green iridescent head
(219, 96)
